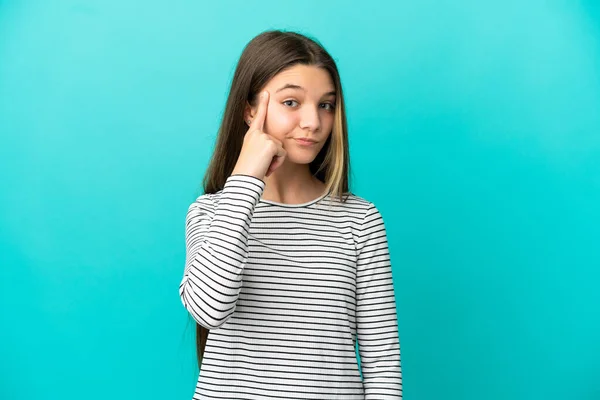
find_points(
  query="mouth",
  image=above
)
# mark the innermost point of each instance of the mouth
(305, 142)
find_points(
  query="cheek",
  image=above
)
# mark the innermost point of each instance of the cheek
(328, 121)
(280, 121)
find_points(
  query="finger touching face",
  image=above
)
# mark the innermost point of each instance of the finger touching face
(258, 121)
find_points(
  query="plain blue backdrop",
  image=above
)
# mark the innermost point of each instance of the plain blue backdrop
(474, 127)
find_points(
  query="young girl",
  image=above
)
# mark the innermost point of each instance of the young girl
(285, 267)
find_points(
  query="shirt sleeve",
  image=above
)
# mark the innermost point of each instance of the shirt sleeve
(216, 239)
(377, 323)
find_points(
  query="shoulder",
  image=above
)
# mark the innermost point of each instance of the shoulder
(360, 206)
(365, 216)
(367, 222)
(205, 200)
(203, 205)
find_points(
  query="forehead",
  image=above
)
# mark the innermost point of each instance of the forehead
(315, 80)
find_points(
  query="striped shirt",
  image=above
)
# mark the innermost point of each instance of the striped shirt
(286, 290)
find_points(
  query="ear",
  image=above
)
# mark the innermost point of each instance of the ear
(249, 112)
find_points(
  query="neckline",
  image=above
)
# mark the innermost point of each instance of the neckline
(308, 203)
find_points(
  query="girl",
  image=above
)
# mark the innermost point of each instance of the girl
(285, 267)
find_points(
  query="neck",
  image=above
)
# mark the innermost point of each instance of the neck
(292, 183)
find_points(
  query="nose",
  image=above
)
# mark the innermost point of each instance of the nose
(310, 119)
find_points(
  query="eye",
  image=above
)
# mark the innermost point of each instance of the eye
(288, 101)
(328, 106)
(331, 106)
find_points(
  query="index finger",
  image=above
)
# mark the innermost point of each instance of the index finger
(259, 121)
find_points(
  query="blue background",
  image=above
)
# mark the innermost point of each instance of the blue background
(474, 127)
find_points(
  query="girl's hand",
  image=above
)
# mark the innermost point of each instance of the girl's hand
(261, 153)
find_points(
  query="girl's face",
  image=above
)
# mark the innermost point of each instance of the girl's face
(301, 105)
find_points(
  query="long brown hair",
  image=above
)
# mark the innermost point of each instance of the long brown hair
(264, 57)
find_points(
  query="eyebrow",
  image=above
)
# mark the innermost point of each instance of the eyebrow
(292, 86)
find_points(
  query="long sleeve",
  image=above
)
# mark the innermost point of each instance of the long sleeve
(216, 237)
(377, 323)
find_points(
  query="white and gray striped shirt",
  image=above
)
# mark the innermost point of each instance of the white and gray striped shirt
(286, 289)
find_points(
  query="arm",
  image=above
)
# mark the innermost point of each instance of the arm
(377, 323)
(216, 236)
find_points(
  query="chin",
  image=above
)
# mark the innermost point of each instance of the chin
(301, 158)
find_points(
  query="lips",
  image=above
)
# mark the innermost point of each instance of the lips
(305, 143)
(306, 140)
